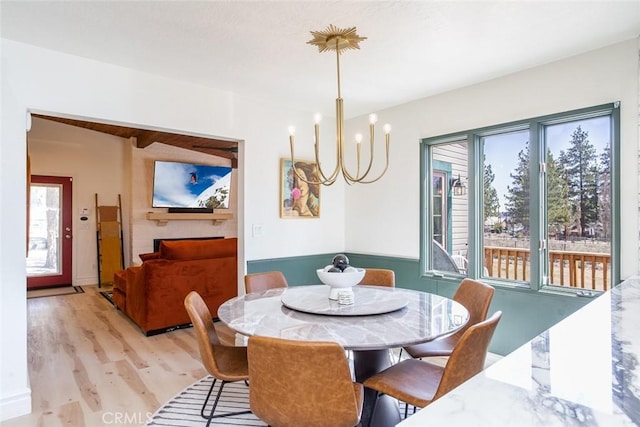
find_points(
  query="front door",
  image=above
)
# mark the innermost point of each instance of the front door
(49, 246)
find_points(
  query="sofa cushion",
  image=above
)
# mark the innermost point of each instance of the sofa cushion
(149, 255)
(197, 249)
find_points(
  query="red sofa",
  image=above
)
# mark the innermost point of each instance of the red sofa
(152, 294)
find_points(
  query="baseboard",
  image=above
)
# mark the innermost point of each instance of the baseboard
(85, 281)
(169, 329)
(16, 405)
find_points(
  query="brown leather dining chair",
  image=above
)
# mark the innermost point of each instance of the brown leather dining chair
(302, 383)
(475, 297)
(224, 363)
(378, 277)
(418, 382)
(262, 281)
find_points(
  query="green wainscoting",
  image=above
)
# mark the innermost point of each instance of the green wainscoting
(525, 313)
(298, 270)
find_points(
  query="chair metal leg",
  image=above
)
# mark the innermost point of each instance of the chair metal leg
(213, 383)
(215, 404)
(406, 410)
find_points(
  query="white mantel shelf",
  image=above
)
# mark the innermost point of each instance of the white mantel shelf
(163, 218)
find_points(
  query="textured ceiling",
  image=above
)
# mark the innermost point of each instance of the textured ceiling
(413, 48)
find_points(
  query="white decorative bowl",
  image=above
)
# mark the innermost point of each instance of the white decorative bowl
(340, 281)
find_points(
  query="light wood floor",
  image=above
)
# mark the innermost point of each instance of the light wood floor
(88, 364)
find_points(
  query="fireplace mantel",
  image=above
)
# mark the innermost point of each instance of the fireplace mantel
(162, 218)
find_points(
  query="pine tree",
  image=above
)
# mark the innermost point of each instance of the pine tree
(579, 163)
(604, 193)
(517, 196)
(491, 201)
(558, 206)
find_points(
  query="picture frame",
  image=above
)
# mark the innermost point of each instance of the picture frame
(299, 199)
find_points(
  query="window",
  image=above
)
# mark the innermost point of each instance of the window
(538, 206)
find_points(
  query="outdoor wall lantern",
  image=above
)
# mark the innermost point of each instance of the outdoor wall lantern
(456, 187)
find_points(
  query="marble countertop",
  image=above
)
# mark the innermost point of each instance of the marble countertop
(425, 317)
(583, 371)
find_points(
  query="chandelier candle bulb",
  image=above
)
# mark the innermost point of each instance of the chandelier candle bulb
(373, 118)
(292, 131)
(358, 138)
(358, 145)
(316, 130)
(387, 129)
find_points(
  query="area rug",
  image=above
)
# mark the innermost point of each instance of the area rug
(108, 295)
(52, 292)
(183, 409)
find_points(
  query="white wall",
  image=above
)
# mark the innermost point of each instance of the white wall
(391, 207)
(45, 81)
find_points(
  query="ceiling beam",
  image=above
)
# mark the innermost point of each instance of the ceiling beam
(144, 138)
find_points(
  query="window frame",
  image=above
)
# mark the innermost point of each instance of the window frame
(538, 212)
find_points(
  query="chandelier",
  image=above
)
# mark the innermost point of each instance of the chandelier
(338, 39)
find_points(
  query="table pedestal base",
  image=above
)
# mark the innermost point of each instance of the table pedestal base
(367, 363)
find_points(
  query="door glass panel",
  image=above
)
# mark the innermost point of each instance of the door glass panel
(506, 206)
(438, 200)
(44, 230)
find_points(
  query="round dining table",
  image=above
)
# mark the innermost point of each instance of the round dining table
(377, 319)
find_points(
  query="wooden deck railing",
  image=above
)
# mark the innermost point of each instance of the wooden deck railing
(572, 269)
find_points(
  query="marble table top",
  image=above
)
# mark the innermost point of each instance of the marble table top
(584, 371)
(425, 317)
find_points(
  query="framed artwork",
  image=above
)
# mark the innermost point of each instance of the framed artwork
(299, 199)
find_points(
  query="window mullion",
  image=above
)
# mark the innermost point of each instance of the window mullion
(615, 194)
(426, 172)
(476, 226)
(537, 206)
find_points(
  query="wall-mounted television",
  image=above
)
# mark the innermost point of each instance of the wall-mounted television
(185, 187)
